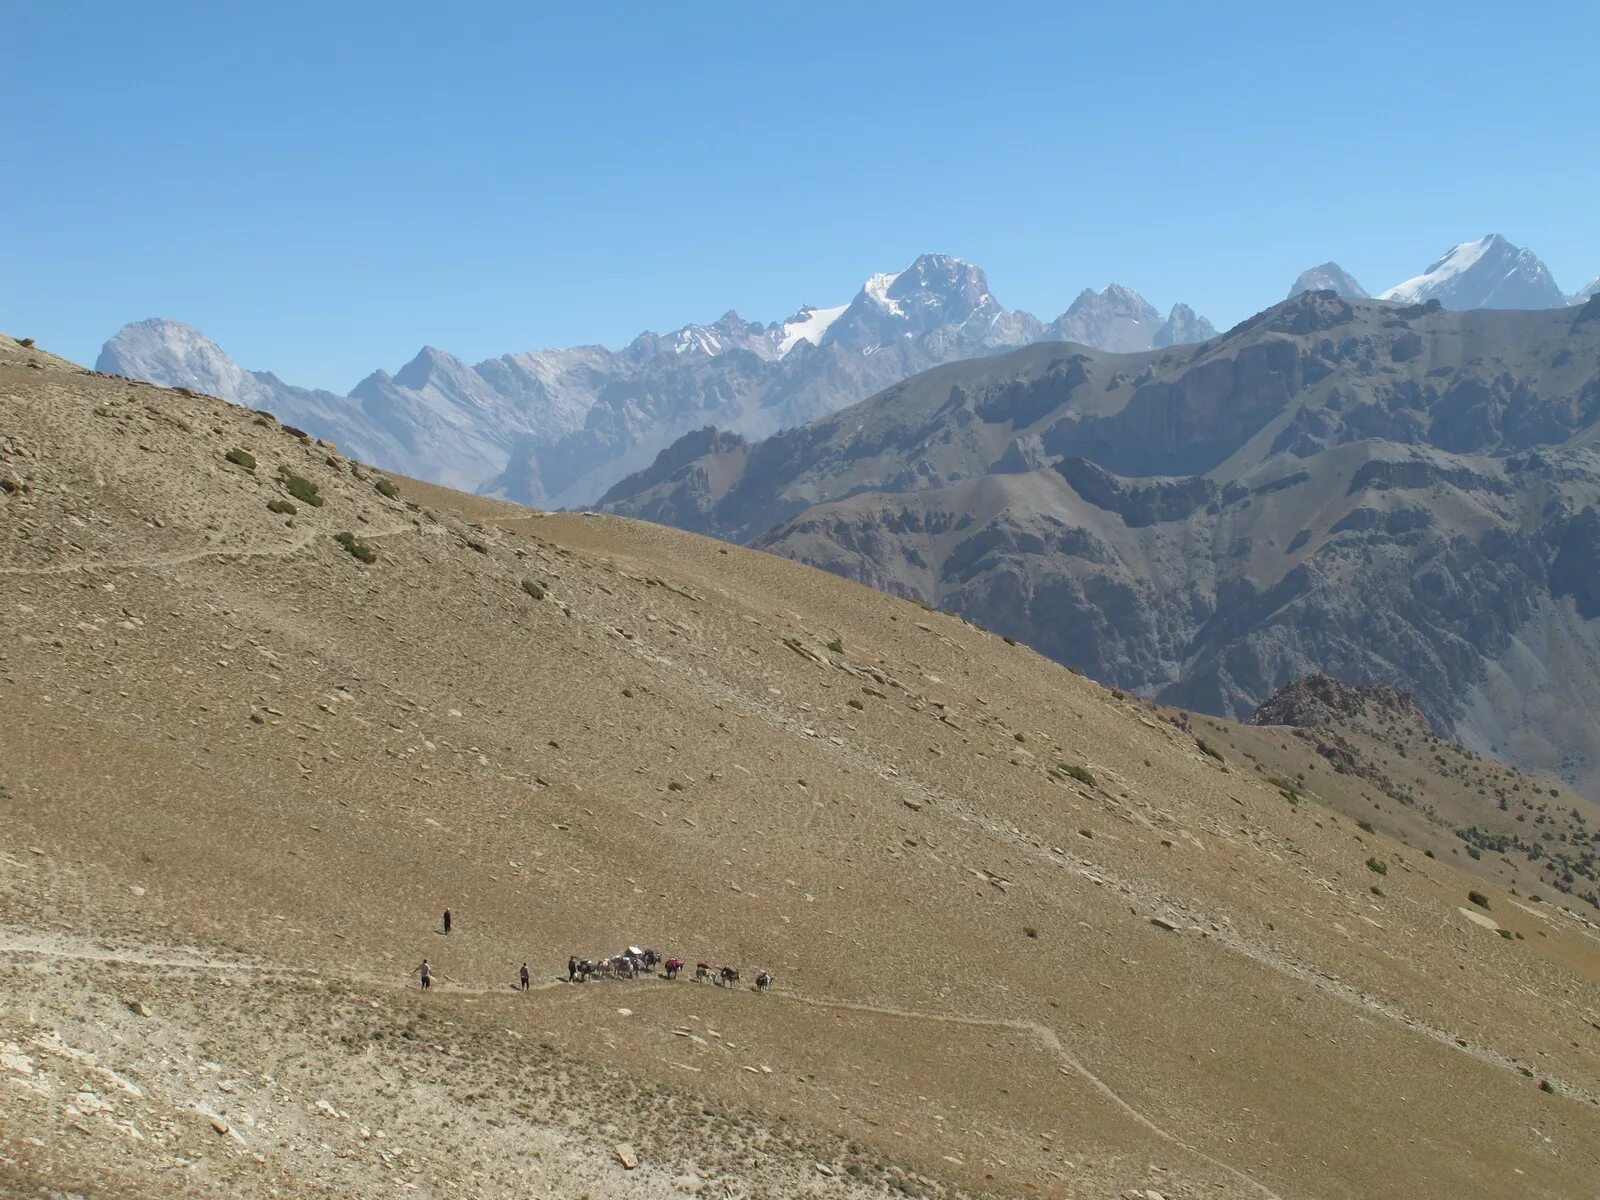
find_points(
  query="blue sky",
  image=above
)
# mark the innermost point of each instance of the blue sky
(324, 188)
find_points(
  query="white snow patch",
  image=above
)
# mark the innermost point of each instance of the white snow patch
(807, 325)
(1458, 261)
(696, 338)
(877, 289)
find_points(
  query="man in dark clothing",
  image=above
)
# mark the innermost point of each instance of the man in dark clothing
(447, 921)
(572, 969)
(524, 976)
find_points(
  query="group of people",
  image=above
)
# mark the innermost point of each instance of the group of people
(630, 964)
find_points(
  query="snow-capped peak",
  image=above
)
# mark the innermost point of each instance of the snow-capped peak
(1487, 273)
(1457, 261)
(807, 325)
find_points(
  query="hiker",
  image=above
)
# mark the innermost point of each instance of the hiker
(425, 973)
(572, 968)
(447, 922)
(524, 976)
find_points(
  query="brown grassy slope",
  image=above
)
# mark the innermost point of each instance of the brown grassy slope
(1528, 833)
(229, 740)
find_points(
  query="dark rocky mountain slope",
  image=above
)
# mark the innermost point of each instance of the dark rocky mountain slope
(1398, 495)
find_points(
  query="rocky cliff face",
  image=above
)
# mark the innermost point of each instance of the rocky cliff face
(1397, 495)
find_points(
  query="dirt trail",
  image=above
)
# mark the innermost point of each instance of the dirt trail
(65, 946)
(278, 550)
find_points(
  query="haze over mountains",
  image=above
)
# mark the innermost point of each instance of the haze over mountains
(1396, 495)
(560, 426)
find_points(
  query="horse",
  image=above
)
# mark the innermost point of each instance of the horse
(674, 965)
(651, 958)
(702, 972)
(764, 981)
(729, 976)
(586, 968)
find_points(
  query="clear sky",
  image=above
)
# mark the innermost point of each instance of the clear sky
(323, 188)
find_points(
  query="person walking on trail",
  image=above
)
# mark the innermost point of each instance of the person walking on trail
(572, 969)
(524, 976)
(424, 973)
(447, 922)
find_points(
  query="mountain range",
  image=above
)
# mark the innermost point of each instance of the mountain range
(557, 427)
(1392, 494)
(269, 713)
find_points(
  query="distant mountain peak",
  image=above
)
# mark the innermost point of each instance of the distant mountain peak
(1489, 272)
(1329, 277)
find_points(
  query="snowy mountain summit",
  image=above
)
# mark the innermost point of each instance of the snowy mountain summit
(1329, 277)
(1487, 273)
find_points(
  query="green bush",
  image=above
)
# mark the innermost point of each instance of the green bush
(854, 703)
(1367, 825)
(282, 506)
(1010, 641)
(302, 489)
(1207, 748)
(356, 546)
(533, 589)
(1081, 774)
(241, 458)
(837, 645)
(1378, 866)
(1479, 899)
(674, 786)
(387, 490)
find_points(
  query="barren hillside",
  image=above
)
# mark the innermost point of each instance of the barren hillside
(1030, 939)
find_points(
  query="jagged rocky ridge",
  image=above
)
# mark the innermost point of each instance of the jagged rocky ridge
(1397, 495)
(557, 427)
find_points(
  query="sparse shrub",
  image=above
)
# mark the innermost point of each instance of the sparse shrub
(1505, 933)
(628, 692)
(26, 343)
(302, 489)
(1021, 737)
(1030, 931)
(1208, 749)
(674, 786)
(387, 490)
(1081, 774)
(837, 645)
(293, 432)
(357, 548)
(533, 589)
(1010, 641)
(1547, 1087)
(1376, 890)
(1479, 899)
(854, 703)
(241, 457)
(286, 507)
(1377, 866)
(1366, 825)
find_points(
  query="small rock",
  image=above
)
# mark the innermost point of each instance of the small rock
(137, 1008)
(824, 1169)
(1163, 923)
(627, 1155)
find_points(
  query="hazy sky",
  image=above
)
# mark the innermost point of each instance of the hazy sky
(324, 188)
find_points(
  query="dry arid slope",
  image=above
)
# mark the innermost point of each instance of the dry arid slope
(1029, 939)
